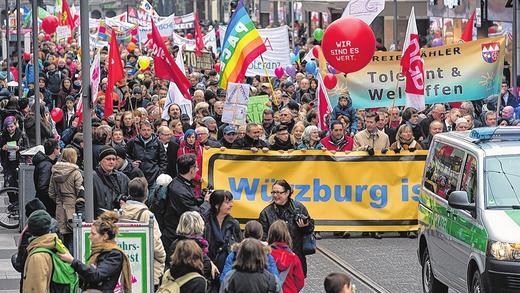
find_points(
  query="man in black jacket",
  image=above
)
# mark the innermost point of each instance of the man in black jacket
(171, 145)
(230, 136)
(43, 163)
(147, 153)
(124, 165)
(181, 197)
(252, 139)
(110, 185)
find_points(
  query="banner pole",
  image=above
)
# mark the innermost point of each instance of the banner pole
(275, 99)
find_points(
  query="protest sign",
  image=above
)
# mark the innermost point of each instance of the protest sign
(276, 41)
(460, 72)
(203, 62)
(235, 105)
(256, 107)
(351, 192)
(63, 32)
(165, 27)
(136, 240)
(141, 17)
(210, 40)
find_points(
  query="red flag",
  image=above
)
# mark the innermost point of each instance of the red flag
(199, 41)
(115, 73)
(164, 65)
(66, 17)
(413, 66)
(324, 107)
(467, 35)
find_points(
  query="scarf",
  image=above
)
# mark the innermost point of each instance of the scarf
(126, 274)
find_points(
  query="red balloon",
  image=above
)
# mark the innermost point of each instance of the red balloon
(56, 114)
(330, 81)
(278, 71)
(47, 38)
(26, 56)
(149, 36)
(189, 36)
(50, 24)
(316, 51)
(348, 50)
(217, 67)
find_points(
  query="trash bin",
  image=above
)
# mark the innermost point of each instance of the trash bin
(26, 188)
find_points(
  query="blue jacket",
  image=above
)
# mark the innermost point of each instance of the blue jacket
(228, 266)
(29, 73)
(348, 112)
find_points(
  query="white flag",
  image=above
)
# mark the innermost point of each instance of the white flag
(413, 66)
(95, 77)
(174, 95)
(366, 10)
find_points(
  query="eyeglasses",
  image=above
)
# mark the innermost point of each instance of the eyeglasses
(277, 192)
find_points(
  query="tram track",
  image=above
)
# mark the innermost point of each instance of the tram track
(357, 276)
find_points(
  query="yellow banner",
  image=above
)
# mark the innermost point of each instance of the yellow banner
(342, 192)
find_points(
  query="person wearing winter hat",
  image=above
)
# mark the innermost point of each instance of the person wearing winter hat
(38, 266)
(211, 125)
(110, 184)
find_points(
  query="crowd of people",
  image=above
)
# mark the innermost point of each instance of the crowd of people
(144, 164)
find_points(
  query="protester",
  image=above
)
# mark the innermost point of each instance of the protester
(229, 137)
(43, 163)
(110, 185)
(135, 209)
(404, 140)
(435, 128)
(288, 263)
(107, 263)
(311, 139)
(294, 213)
(371, 139)
(125, 165)
(249, 273)
(251, 140)
(345, 108)
(187, 267)
(221, 230)
(67, 191)
(181, 197)
(282, 140)
(337, 140)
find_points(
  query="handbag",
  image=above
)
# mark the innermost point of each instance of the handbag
(309, 244)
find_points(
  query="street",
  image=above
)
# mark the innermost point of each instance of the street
(390, 263)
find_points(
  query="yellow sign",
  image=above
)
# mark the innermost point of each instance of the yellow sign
(342, 192)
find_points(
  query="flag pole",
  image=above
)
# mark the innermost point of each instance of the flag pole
(275, 99)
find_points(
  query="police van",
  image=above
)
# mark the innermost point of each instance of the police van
(469, 212)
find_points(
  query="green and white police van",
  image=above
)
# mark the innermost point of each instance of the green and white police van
(469, 212)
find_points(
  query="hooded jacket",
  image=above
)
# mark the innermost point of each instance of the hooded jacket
(138, 211)
(42, 178)
(347, 111)
(152, 155)
(21, 142)
(30, 130)
(66, 190)
(287, 260)
(271, 263)
(38, 267)
(221, 238)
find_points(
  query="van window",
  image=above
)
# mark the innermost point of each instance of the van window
(444, 169)
(469, 178)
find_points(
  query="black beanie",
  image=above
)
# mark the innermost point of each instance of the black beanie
(120, 151)
(39, 223)
(33, 205)
(106, 151)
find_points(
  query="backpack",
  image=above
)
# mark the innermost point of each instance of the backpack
(64, 278)
(158, 202)
(171, 285)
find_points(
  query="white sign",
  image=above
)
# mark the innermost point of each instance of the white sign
(235, 106)
(174, 94)
(165, 27)
(63, 32)
(210, 40)
(366, 10)
(276, 41)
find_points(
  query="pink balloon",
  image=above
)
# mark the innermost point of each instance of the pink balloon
(278, 71)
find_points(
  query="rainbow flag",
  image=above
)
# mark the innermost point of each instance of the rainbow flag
(242, 44)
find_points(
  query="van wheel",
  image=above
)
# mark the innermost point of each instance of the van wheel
(477, 285)
(429, 282)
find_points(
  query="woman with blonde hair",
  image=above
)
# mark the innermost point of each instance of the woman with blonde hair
(297, 133)
(66, 190)
(107, 262)
(404, 140)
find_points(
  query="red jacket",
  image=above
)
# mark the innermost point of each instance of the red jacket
(344, 145)
(283, 256)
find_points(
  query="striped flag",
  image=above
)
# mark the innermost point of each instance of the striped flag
(242, 44)
(324, 106)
